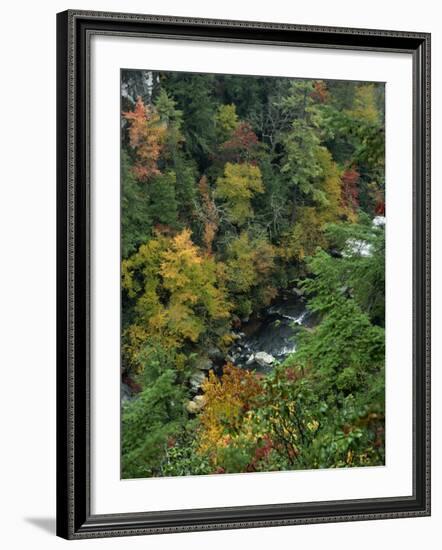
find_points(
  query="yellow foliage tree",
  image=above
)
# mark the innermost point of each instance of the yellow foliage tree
(305, 235)
(224, 417)
(180, 294)
(364, 106)
(237, 188)
(250, 262)
(226, 122)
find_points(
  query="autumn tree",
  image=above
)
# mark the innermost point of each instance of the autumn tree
(146, 138)
(179, 295)
(320, 92)
(226, 122)
(364, 105)
(237, 188)
(350, 191)
(249, 266)
(224, 435)
(242, 146)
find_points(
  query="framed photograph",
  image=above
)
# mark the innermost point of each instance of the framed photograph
(243, 274)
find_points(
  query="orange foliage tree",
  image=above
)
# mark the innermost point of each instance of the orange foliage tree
(320, 93)
(146, 134)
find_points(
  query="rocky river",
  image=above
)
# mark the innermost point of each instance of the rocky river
(270, 336)
(263, 340)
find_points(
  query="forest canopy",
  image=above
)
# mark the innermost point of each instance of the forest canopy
(243, 199)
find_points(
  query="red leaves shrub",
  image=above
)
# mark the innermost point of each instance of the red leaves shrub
(146, 136)
(350, 191)
(242, 144)
(320, 94)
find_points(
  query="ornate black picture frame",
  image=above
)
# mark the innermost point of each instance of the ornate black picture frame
(74, 518)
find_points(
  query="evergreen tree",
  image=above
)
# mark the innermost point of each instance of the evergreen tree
(163, 208)
(136, 221)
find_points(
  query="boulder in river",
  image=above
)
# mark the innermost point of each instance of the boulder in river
(250, 360)
(264, 359)
(197, 379)
(196, 404)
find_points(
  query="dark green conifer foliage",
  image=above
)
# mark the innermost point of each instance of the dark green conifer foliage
(136, 219)
(163, 207)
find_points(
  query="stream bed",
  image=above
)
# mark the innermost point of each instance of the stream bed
(271, 336)
(262, 341)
